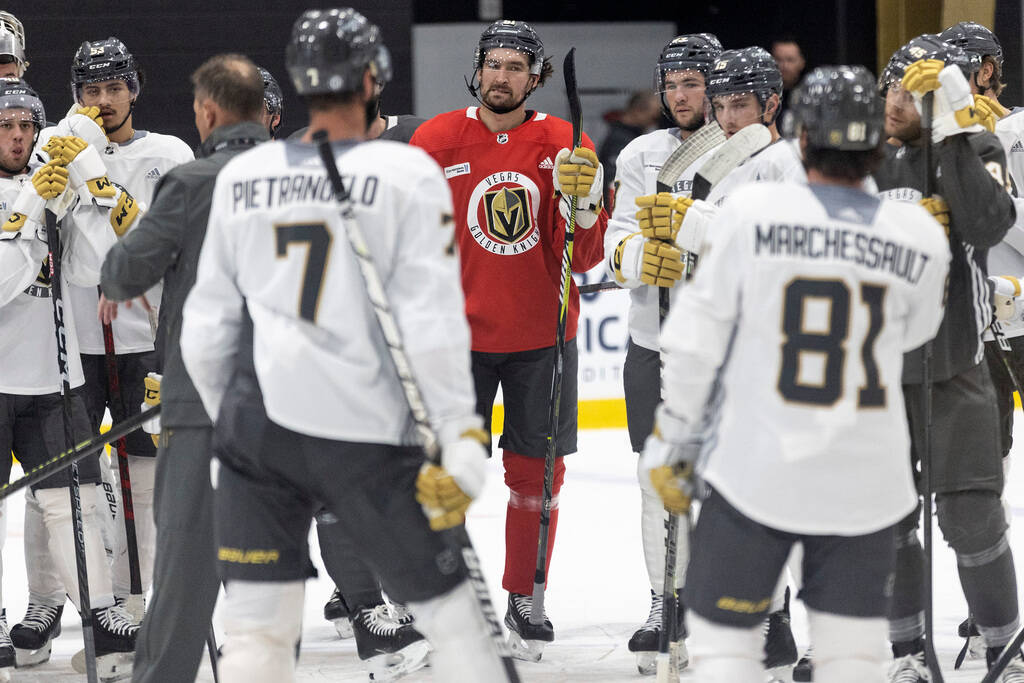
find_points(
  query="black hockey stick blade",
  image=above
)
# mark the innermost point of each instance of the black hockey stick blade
(594, 287)
(572, 92)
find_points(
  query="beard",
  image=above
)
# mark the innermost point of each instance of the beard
(502, 108)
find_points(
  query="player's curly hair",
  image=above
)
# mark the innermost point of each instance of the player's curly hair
(546, 70)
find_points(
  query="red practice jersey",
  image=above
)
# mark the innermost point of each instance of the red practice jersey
(509, 231)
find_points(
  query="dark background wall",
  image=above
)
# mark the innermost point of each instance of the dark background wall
(171, 39)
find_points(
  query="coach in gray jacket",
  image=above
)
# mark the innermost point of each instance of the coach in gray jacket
(165, 244)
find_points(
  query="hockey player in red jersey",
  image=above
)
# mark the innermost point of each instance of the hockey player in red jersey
(503, 163)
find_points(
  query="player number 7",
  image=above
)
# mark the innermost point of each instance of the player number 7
(317, 239)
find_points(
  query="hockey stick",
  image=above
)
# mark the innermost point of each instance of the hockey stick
(742, 145)
(211, 646)
(127, 506)
(88, 447)
(708, 136)
(926, 448)
(554, 409)
(595, 287)
(53, 242)
(413, 396)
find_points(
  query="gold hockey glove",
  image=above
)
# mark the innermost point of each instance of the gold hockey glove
(150, 399)
(662, 264)
(123, 215)
(446, 491)
(922, 76)
(661, 215)
(50, 180)
(939, 210)
(675, 487)
(988, 111)
(575, 172)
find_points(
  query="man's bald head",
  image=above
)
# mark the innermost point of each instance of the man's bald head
(228, 89)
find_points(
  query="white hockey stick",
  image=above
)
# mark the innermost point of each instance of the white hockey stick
(745, 143)
(692, 148)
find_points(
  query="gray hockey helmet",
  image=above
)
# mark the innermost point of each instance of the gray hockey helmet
(331, 49)
(925, 46)
(838, 108)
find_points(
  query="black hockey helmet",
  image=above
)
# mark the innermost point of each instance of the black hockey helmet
(514, 35)
(750, 70)
(974, 38)
(103, 60)
(925, 46)
(331, 49)
(693, 51)
(273, 98)
(838, 109)
(17, 94)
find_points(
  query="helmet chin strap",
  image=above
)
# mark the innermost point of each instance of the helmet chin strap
(131, 108)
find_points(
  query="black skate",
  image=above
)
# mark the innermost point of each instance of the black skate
(647, 638)
(803, 672)
(779, 646)
(1014, 671)
(114, 635)
(7, 656)
(387, 642)
(526, 640)
(337, 612)
(33, 636)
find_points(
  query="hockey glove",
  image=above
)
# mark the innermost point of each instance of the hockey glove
(661, 214)
(922, 76)
(989, 111)
(939, 210)
(124, 213)
(50, 180)
(446, 491)
(662, 264)
(84, 164)
(86, 123)
(578, 176)
(955, 112)
(1005, 292)
(152, 398)
(669, 456)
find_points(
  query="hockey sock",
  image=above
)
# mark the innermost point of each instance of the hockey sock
(974, 525)
(455, 628)
(262, 625)
(56, 505)
(906, 608)
(653, 518)
(847, 649)
(142, 471)
(725, 654)
(44, 583)
(524, 477)
(352, 576)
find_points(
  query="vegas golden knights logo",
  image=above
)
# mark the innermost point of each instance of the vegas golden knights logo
(508, 213)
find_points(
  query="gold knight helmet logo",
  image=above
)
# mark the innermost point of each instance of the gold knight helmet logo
(508, 213)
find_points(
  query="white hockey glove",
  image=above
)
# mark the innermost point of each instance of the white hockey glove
(85, 123)
(48, 183)
(669, 457)
(578, 174)
(1006, 302)
(152, 398)
(955, 112)
(446, 491)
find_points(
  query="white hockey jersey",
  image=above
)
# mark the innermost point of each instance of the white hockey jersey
(28, 342)
(778, 162)
(789, 342)
(1007, 257)
(276, 244)
(136, 165)
(636, 175)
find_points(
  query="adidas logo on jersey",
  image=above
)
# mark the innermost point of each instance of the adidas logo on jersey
(546, 164)
(153, 174)
(1017, 147)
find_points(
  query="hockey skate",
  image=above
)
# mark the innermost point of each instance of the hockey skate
(645, 641)
(336, 612)
(7, 656)
(1014, 671)
(909, 669)
(803, 672)
(33, 636)
(114, 636)
(133, 606)
(387, 642)
(526, 640)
